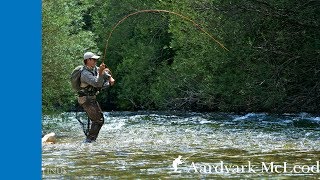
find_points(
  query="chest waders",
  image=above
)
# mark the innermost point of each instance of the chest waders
(87, 100)
(94, 113)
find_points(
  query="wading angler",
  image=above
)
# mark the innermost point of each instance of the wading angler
(88, 80)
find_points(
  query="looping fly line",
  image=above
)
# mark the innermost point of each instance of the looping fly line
(158, 11)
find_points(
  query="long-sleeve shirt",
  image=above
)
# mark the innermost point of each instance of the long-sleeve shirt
(91, 77)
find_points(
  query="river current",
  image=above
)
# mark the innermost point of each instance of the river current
(180, 145)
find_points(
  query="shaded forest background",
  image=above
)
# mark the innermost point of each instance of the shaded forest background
(162, 62)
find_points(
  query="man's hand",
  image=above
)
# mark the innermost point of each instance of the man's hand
(111, 81)
(102, 67)
(107, 70)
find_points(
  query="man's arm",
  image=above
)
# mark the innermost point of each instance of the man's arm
(95, 81)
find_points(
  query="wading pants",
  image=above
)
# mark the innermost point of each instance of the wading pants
(94, 112)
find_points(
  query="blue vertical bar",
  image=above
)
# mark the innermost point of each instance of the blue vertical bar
(21, 89)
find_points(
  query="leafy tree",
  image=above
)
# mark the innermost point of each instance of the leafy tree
(161, 61)
(136, 48)
(63, 45)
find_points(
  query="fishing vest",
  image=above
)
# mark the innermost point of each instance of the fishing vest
(86, 89)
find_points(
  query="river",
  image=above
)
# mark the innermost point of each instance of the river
(146, 145)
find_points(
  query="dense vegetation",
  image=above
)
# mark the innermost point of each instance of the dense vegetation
(162, 62)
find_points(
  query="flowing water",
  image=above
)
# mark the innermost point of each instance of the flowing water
(146, 145)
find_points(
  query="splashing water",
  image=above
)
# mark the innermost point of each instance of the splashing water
(212, 145)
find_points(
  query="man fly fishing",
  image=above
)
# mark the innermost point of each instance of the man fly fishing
(92, 79)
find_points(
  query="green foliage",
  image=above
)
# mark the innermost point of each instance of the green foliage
(283, 45)
(136, 49)
(63, 45)
(161, 61)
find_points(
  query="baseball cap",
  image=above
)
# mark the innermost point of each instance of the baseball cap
(91, 55)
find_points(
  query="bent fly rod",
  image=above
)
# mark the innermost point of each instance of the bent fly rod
(160, 11)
